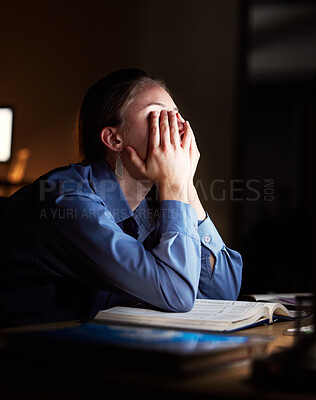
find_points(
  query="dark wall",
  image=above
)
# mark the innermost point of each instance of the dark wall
(277, 148)
(275, 226)
(51, 52)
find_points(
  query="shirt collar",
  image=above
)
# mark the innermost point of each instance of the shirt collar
(107, 187)
(145, 215)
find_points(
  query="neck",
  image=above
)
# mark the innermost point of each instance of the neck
(134, 188)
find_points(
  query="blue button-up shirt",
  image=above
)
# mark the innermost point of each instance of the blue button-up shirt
(71, 245)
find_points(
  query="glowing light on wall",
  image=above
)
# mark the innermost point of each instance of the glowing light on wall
(6, 122)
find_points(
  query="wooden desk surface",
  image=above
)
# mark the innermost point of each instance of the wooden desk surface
(226, 383)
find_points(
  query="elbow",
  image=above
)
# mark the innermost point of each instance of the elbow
(185, 306)
(181, 301)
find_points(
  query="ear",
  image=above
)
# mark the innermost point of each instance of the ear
(112, 138)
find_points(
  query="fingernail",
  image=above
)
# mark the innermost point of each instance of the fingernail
(163, 112)
(154, 113)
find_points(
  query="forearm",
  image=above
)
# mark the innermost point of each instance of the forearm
(164, 274)
(195, 202)
(223, 279)
(169, 191)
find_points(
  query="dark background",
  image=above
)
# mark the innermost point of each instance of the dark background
(241, 72)
(277, 146)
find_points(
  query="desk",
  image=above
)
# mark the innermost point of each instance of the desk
(227, 383)
(234, 383)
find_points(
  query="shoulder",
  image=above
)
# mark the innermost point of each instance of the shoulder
(66, 181)
(74, 171)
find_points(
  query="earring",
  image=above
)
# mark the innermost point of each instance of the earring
(119, 167)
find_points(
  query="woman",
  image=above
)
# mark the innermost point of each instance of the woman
(95, 234)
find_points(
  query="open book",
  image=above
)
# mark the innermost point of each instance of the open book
(206, 315)
(287, 299)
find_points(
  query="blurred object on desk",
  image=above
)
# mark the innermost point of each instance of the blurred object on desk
(18, 166)
(15, 177)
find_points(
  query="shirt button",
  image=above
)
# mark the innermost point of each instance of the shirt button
(207, 239)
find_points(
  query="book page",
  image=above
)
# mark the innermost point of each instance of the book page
(203, 310)
(278, 309)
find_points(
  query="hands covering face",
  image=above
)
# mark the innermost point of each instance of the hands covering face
(172, 155)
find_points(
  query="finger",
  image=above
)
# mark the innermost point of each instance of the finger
(180, 117)
(164, 128)
(154, 137)
(174, 129)
(135, 159)
(194, 151)
(193, 146)
(187, 136)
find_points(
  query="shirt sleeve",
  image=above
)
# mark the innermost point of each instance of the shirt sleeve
(225, 280)
(79, 239)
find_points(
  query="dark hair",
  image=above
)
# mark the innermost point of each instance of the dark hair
(104, 105)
